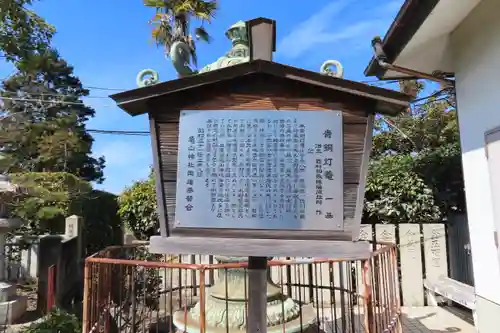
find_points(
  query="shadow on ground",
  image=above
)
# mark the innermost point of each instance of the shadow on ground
(421, 320)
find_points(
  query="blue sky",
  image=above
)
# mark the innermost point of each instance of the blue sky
(108, 42)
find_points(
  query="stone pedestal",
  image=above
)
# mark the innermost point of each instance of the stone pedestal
(227, 300)
(12, 307)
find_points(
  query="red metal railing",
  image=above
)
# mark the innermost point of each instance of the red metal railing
(51, 287)
(130, 290)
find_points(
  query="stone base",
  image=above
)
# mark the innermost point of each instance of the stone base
(9, 224)
(12, 310)
(225, 308)
(186, 323)
(7, 291)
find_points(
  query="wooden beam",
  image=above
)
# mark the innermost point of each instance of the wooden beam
(312, 235)
(160, 193)
(242, 247)
(358, 213)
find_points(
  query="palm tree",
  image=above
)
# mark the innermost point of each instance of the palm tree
(171, 22)
(411, 87)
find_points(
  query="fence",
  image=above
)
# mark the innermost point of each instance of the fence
(422, 253)
(127, 290)
(425, 251)
(31, 258)
(21, 258)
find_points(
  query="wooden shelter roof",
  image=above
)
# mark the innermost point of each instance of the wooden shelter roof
(256, 76)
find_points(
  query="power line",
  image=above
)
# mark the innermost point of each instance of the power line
(440, 99)
(104, 88)
(378, 82)
(41, 101)
(435, 94)
(119, 132)
(400, 131)
(14, 94)
(373, 82)
(147, 133)
(81, 103)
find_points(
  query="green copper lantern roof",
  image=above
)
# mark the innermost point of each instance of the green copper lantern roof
(179, 54)
(239, 52)
(237, 33)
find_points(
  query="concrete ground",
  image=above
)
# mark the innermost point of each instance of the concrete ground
(427, 319)
(436, 320)
(414, 319)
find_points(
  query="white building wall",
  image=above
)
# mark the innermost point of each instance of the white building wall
(476, 52)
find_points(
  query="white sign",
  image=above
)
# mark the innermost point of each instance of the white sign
(260, 170)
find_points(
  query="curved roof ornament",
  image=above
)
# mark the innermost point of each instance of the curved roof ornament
(326, 69)
(147, 77)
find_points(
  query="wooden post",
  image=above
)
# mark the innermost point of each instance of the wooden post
(257, 295)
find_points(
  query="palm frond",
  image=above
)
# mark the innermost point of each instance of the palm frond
(192, 48)
(153, 3)
(202, 34)
(185, 6)
(204, 10)
(171, 22)
(163, 36)
(200, 9)
(158, 18)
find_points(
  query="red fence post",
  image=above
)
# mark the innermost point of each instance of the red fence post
(51, 288)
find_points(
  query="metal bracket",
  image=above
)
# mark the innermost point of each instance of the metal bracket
(382, 58)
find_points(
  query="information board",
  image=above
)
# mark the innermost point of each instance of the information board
(260, 170)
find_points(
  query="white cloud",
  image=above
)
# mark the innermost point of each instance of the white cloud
(316, 30)
(350, 32)
(305, 35)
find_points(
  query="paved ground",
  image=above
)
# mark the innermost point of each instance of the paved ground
(415, 320)
(436, 320)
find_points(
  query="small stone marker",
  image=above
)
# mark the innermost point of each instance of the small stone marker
(436, 264)
(74, 228)
(411, 265)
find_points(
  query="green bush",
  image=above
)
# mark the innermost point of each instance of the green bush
(138, 208)
(53, 196)
(57, 321)
(396, 193)
(102, 225)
